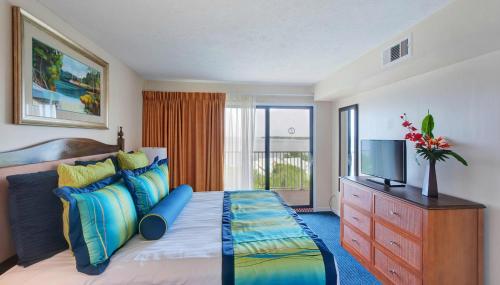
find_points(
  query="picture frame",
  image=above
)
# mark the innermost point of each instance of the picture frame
(57, 82)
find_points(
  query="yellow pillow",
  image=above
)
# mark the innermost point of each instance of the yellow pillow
(131, 161)
(80, 176)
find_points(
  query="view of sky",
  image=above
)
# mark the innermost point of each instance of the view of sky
(289, 129)
(281, 121)
(74, 67)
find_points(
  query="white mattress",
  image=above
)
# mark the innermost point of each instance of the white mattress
(190, 253)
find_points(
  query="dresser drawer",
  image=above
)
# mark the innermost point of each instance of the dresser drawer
(400, 214)
(406, 249)
(357, 242)
(357, 196)
(393, 271)
(357, 219)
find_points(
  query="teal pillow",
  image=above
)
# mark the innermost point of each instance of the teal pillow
(102, 218)
(147, 186)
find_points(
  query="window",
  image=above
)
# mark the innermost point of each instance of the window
(238, 142)
(348, 141)
(283, 152)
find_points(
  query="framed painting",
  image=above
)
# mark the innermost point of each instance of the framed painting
(57, 82)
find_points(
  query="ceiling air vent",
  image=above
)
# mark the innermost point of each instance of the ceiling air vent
(397, 52)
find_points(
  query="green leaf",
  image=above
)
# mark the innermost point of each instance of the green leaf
(458, 157)
(428, 125)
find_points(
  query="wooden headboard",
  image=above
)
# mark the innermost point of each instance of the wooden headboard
(41, 157)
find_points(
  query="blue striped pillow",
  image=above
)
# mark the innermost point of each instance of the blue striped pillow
(149, 187)
(102, 218)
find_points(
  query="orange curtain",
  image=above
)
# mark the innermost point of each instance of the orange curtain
(191, 126)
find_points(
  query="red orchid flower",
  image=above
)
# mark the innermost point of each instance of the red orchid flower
(426, 144)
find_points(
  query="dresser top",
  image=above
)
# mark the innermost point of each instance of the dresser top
(413, 195)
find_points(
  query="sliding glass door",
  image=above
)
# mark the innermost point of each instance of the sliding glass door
(283, 152)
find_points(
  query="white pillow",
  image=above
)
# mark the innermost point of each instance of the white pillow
(152, 152)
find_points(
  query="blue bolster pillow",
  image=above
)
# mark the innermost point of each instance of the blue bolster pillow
(156, 223)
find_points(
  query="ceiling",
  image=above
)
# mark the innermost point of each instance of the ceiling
(257, 41)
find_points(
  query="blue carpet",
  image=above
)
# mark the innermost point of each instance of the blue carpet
(327, 226)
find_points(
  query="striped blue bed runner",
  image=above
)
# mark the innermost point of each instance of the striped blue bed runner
(264, 241)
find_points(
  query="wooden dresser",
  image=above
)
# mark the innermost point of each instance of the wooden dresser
(403, 237)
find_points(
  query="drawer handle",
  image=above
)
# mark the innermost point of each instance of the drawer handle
(393, 272)
(355, 241)
(394, 243)
(355, 195)
(355, 218)
(394, 213)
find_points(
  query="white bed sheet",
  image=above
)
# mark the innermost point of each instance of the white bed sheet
(190, 253)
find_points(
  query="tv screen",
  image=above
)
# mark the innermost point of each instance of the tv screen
(384, 159)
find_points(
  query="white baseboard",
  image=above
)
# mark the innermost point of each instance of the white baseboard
(322, 209)
(325, 209)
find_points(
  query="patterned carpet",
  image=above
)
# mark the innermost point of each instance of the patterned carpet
(327, 226)
(304, 210)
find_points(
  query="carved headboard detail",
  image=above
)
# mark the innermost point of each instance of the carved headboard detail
(55, 150)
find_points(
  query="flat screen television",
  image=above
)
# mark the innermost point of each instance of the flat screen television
(385, 159)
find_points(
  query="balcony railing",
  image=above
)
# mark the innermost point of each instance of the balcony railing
(289, 170)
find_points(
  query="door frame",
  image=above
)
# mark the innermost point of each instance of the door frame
(311, 147)
(356, 138)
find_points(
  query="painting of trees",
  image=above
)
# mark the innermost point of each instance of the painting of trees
(92, 79)
(47, 63)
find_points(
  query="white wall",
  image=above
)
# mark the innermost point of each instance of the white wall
(462, 30)
(125, 88)
(323, 156)
(232, 88)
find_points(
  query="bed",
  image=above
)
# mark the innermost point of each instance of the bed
(194, 251)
